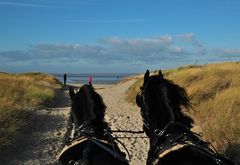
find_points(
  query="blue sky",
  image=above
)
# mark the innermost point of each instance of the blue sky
(116, 35)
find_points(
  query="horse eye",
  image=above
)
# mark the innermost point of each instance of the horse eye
(139, 100)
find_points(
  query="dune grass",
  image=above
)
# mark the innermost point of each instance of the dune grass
(18, 93)
(214, 90)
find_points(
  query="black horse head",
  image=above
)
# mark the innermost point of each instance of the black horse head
(87, 105)
(162, 103)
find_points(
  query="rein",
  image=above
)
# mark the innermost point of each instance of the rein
(126, 131)
(128, 137)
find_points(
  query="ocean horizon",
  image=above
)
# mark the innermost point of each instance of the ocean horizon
(98, 78)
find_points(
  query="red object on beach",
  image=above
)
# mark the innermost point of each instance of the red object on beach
(90, 79)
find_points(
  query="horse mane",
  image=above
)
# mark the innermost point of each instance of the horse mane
(100, 107)
(89, 105)
(175, 98)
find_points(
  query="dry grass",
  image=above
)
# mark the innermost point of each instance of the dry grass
(133, 90)
(18, 93)
(215, 93)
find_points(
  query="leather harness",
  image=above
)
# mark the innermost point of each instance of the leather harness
(86, 132)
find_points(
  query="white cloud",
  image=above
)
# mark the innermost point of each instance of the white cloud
(112, 49)
(226, 52)
(188, 37)
(191, 38)
(116, 51)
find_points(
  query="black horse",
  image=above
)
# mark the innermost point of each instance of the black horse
(161, 102)
(92, 143)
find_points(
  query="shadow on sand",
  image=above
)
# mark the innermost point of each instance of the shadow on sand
(41, 137)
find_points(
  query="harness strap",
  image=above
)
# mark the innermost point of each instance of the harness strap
(86, 150)
(157, 150)
(124, 148)
(85, 156)
(106, 132)
(86, 131)
(114, 154)
(185, 139)
(126, 131)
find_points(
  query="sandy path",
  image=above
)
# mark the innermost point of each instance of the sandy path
(124, 116)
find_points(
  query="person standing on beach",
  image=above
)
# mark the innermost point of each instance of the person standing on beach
(90, 80)
(64, 78)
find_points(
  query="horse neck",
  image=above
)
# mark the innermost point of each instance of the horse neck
(164, 111)
(95, 121)
(82, 110)
(80, 120)
(159, 111)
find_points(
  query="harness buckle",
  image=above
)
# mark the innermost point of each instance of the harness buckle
(72, 162)
(218, 161)
(158, 132)
(170, 138)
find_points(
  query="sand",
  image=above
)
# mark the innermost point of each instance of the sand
(41, 140)
(122, 115)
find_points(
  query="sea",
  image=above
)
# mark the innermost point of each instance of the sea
(98, 78)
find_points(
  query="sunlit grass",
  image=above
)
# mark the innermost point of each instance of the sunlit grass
(215, 93)
(18, 93)
(220, 119)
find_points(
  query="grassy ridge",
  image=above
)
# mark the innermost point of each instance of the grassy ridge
(215, 93)
(19, 92)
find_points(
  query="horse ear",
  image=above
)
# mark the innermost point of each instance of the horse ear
(71, 93)
(146, 76)
(160, 73)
